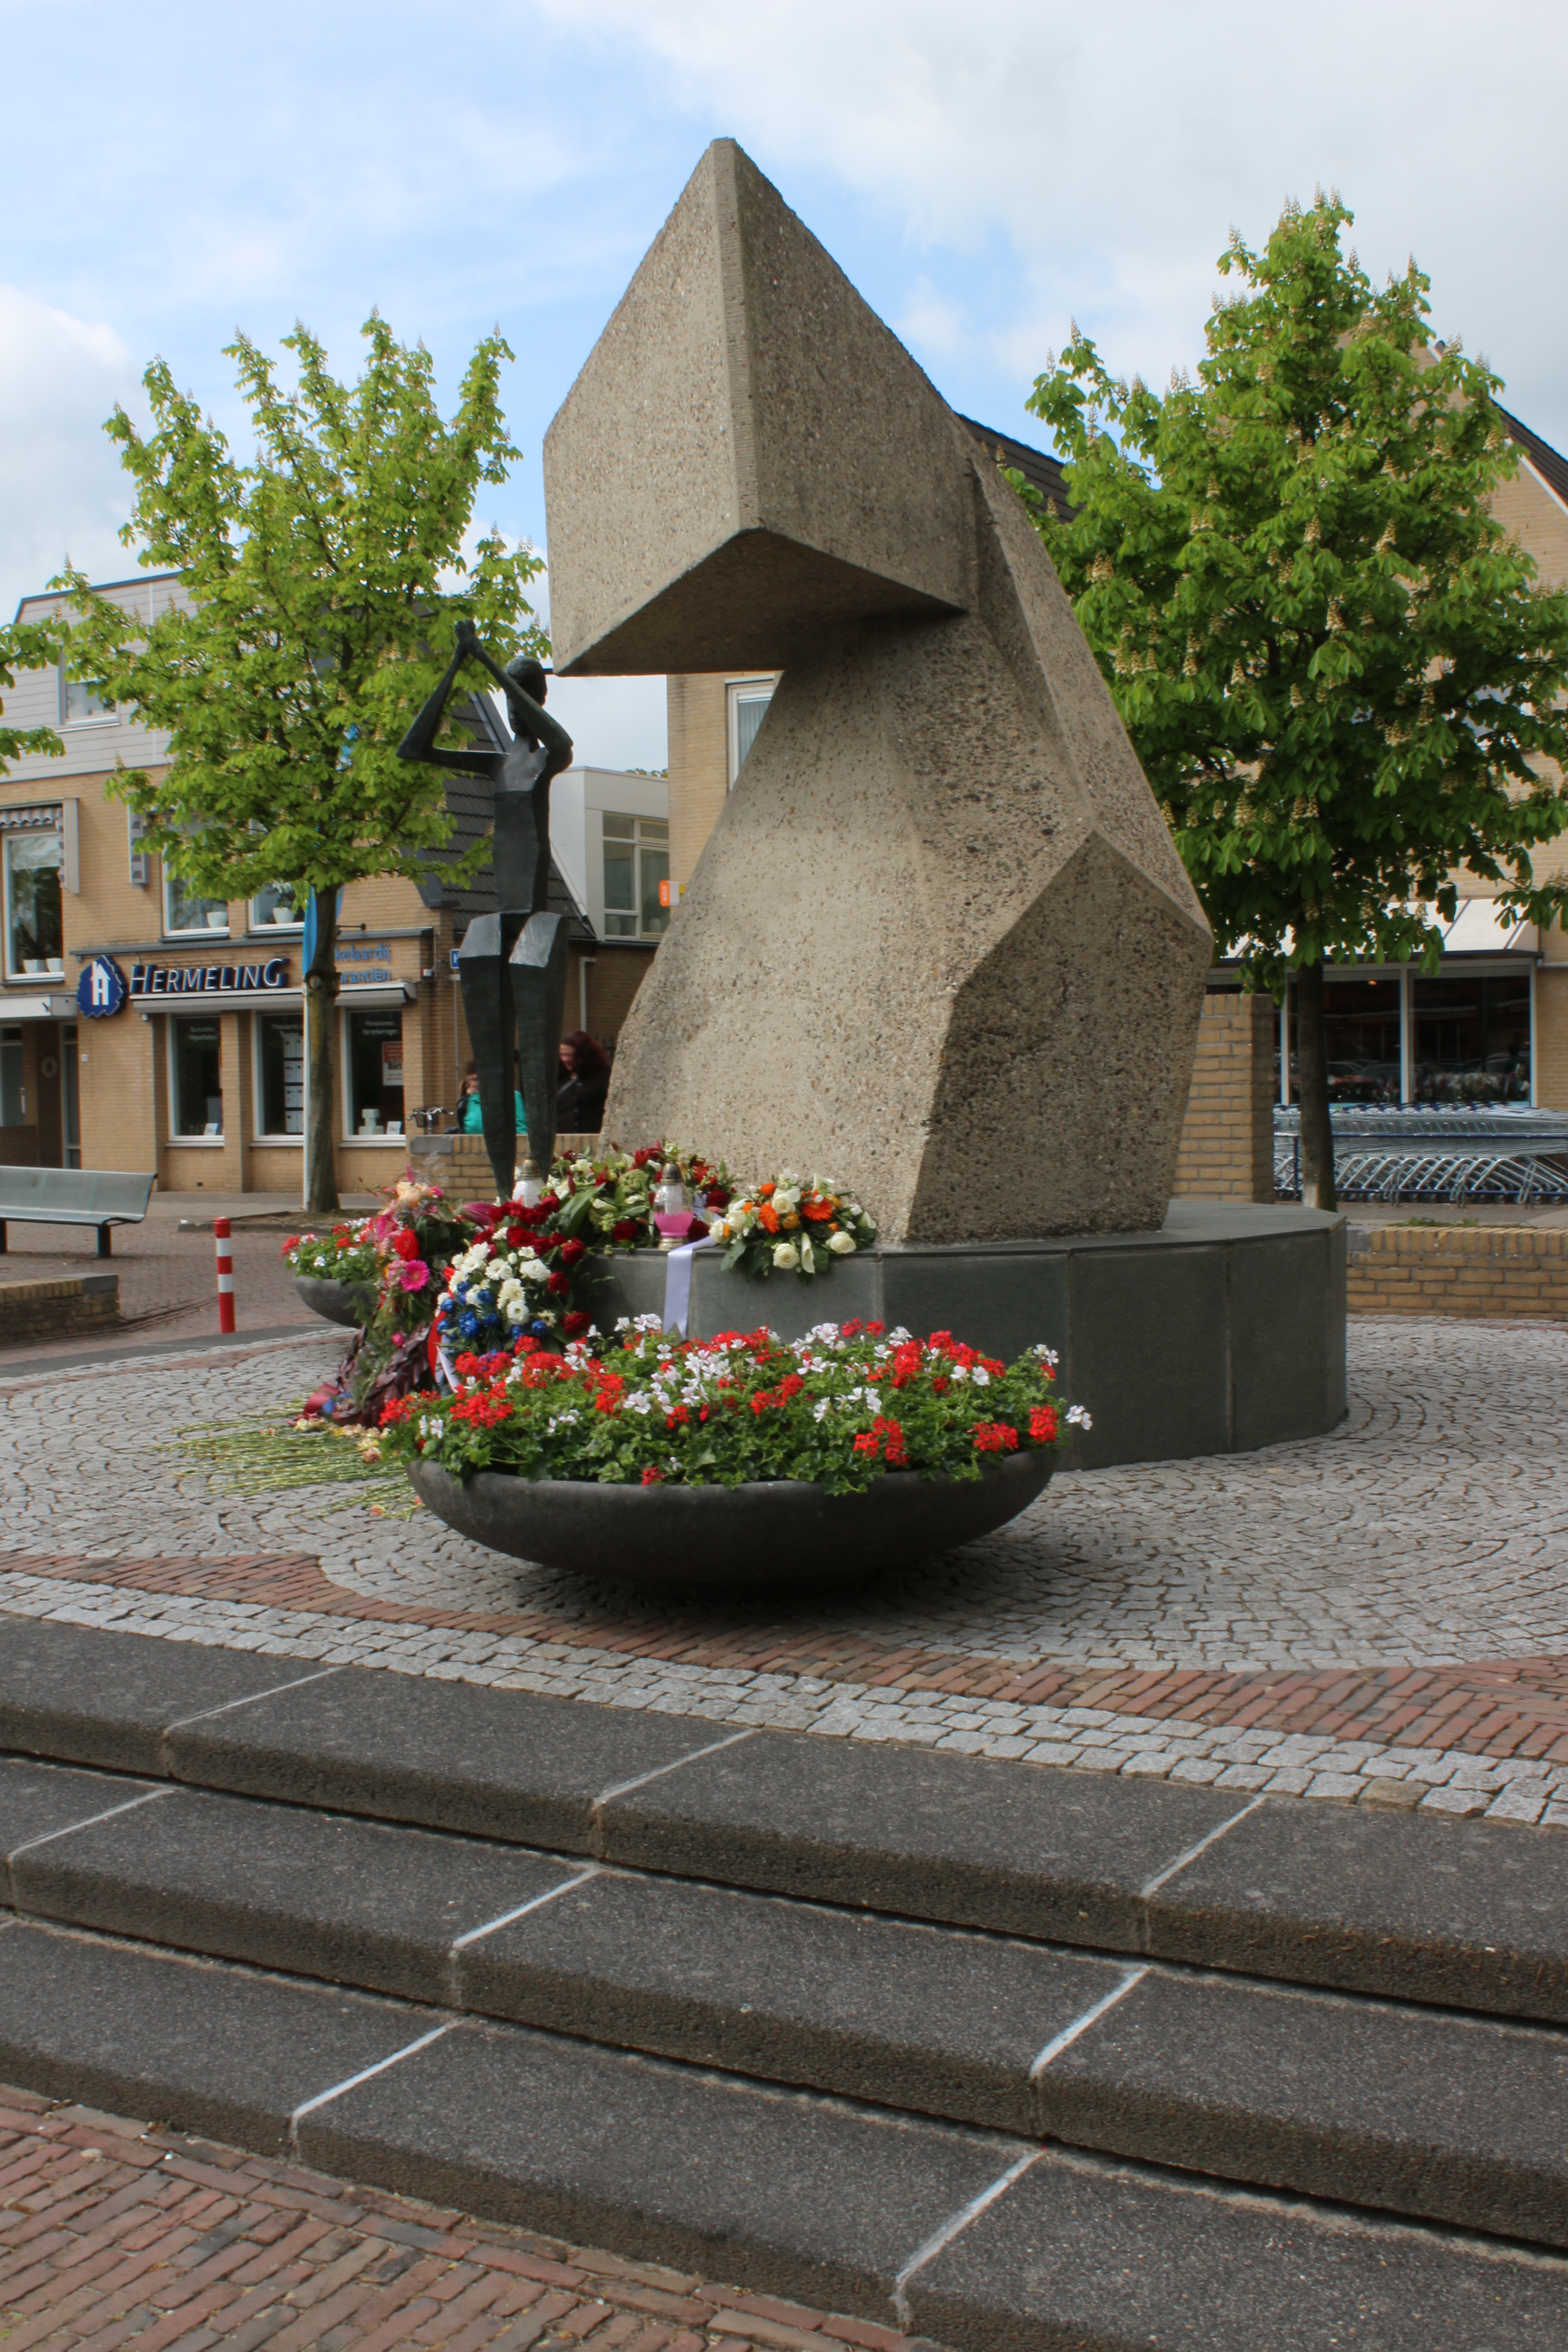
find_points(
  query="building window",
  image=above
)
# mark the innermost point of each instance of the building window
(636, 877)
(372, 1073)
(12, 1090)
(281, 908)
(81, 706)
(279, 1075)
(748, 705)
(185, 910)
(195, 1081)
(35, 945)
(1472, 1038)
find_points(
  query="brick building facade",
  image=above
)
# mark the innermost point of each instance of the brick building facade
(190, 1062)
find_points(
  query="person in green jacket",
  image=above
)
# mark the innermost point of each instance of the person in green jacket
(470, 1118)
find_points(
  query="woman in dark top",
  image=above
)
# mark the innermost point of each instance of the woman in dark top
(584, 1083)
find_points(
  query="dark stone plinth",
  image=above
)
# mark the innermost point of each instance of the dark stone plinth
(1224, 1331)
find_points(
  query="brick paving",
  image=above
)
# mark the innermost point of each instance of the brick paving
(1380, 1616)
(114, 2233)
(168, 1287)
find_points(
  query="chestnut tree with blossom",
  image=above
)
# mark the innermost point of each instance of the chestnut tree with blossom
(324, 576)
(1340, 673)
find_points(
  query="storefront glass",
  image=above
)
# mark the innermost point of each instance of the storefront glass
(1472, 1039)
(279, 1075)
(1360, 1019)
(374, 1071)
(34, 943)
(195, 1078)
(13, 1094)
(185, 909)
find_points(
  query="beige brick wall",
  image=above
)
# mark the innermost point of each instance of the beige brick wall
(1514, 1272)
(699, 709)
(1228, 1136)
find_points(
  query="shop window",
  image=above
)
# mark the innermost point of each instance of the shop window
(636, 877)
(279, 1075)
(195, 1081)
(748, 707)
(1472, 1039)
(282, 906)
(35, 946)
(81, 706)
(372, 1073)
(12, 1090)
(185, 910)
(1361, 1033)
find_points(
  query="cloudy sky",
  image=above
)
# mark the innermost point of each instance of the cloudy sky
(984, 172)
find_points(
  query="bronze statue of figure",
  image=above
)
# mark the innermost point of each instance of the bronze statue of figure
(511, 964)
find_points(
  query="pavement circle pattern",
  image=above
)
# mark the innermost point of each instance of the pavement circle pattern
(1378, 1616)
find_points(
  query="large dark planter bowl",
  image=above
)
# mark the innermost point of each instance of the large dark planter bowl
(729, 1540)
(353, 1303)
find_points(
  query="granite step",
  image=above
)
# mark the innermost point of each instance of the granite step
(1441, 2115)
(980, 2240)
(1466, 1914)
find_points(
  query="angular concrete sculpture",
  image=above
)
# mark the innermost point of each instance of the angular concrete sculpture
(939, 943)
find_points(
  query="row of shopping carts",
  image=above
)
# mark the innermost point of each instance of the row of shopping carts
(1465, 1154)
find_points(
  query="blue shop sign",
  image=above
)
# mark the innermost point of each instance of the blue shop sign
(209, 979)
(101, 990)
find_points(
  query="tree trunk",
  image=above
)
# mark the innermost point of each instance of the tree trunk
(321, 1012)
(1317, 1132)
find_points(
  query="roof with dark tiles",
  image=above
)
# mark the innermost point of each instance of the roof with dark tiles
(1044, 474)
(1549, 464)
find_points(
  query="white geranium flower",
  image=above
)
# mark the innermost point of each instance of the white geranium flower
(786, 1256)
(1078, 1417)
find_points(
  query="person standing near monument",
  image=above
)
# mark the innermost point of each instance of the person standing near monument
(511, 964)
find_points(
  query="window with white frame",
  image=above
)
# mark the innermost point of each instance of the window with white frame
(195, 1081)
(372, 1073)
(637, 876)
(749, 699)
(82, 705)
(185, 910)
(281, 906)
(278, 1059)
(33, 864)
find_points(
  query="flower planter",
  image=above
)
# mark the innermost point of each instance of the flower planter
(735, 1540)
(353, 1303)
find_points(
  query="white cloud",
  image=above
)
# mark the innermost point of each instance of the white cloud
(61, 487)
(1113, 150)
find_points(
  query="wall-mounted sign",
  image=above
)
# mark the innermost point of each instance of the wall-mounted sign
(209, 979)
(101, 990)
(363, 963)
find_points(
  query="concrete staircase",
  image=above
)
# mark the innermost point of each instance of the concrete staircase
(1009, 2056)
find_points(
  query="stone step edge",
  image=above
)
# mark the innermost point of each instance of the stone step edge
(901, 2300)
(1090, 2111)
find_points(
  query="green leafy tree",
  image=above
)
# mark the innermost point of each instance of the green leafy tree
(324, 579)
(28, 645)
(1337, 670)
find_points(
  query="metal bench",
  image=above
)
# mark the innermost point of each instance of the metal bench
(73, 1196)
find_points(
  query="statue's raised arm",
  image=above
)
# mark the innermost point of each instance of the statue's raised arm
(419, 744)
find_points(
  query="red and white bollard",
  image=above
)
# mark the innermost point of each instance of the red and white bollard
(225, 1274)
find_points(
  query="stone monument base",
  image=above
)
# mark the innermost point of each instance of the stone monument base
(1224, 1331)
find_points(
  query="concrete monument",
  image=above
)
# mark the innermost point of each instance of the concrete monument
(940, 943)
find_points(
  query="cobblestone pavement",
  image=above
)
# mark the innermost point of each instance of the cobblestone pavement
(114, 2233)
(1378, 1616)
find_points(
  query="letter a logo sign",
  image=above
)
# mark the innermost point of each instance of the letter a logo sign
(101, 990)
